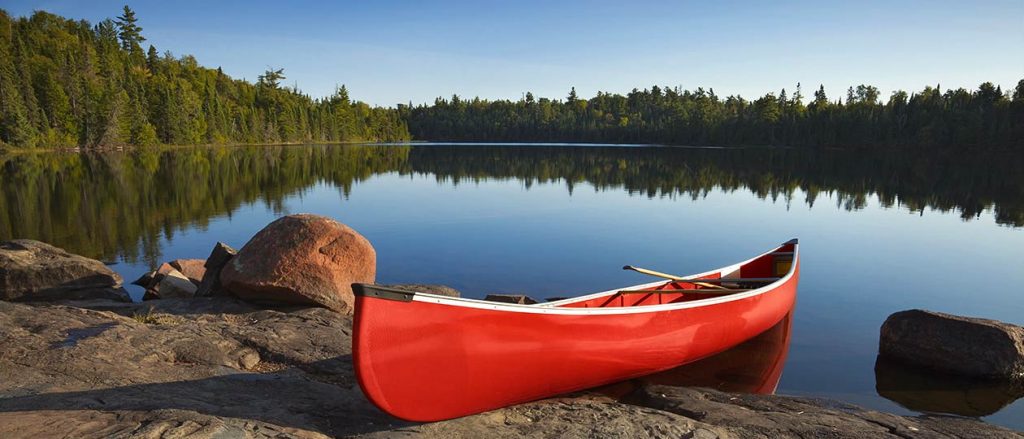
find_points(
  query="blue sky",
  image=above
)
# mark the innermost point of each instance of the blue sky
(390, 52)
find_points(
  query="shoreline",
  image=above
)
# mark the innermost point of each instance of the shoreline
(209, 352)
(1010, 149)
(216, 365)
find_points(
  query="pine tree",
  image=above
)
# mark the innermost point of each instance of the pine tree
(152, 58)
(130, 33)
(272, 78)
(820, 99)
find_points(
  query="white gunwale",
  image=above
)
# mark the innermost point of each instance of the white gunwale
(556, 307)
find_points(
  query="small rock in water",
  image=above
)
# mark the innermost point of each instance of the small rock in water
(219, 257)
(193, 269)
(146, 280)
(172, 285)
(954, 344)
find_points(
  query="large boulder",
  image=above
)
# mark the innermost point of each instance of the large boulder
(954, 344)
(302, 259)
(37, 271)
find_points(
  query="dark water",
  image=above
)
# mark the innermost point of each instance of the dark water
(879, 232)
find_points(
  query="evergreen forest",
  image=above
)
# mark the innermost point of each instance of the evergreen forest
(67, 83)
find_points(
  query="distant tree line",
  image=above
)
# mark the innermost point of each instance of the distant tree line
(68, 83)
(985, 118)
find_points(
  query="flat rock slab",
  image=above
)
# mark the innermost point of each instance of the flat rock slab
(221, 367)
(758, 416)
(37, 271)
(179, 365)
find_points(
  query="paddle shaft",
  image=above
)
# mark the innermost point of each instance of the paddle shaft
(672, 277)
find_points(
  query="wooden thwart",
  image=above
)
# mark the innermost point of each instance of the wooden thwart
(709, 283)
(716, 292)
(739, 280)
(672, 276)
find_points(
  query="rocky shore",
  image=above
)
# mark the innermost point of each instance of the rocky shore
(222, 367)
(225, 365)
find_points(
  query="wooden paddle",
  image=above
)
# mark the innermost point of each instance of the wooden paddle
(672, 277)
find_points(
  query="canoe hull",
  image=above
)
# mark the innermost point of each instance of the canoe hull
(428, 361)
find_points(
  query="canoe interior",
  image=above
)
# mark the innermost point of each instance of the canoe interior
(772, 265)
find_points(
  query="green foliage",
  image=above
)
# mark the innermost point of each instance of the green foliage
(66, 83)
(129, 32)
(985, 118)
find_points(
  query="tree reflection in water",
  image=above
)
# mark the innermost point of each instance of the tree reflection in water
(120, 204)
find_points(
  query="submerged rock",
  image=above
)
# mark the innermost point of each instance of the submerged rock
(37, 271)
(302, 259)
(954, 344)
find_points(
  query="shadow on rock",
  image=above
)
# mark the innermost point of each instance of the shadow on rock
(286, 401)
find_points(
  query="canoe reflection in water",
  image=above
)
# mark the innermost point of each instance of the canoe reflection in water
(754, 366)
(932, 392)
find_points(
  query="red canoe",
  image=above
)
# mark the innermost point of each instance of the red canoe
(424, 357)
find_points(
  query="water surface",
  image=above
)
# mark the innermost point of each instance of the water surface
(880, 232)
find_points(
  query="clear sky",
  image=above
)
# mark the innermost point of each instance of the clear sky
(390, 52)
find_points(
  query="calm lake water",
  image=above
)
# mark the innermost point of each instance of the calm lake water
(879, 232)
